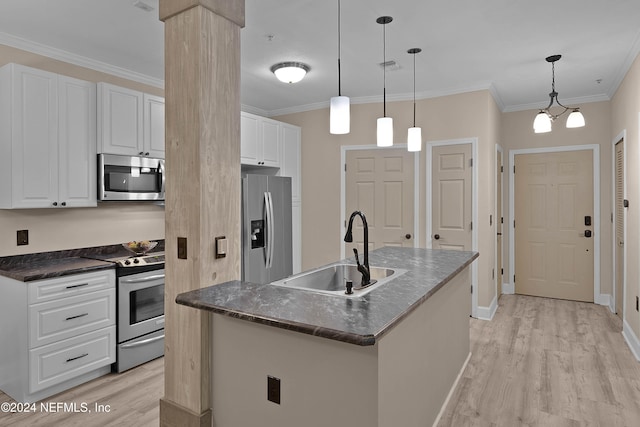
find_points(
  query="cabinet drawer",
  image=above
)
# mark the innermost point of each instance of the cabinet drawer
(77, 284)
(55, 363)
(67, 317)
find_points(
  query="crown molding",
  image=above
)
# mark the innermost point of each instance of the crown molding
(626, 66)
(82, 61)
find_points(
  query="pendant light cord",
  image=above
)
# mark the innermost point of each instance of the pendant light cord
(339, 71)
(384, 69)
(414, 90)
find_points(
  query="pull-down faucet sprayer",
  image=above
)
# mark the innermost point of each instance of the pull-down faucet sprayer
(348, 237)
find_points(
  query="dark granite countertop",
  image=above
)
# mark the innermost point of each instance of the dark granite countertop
(49, 268)
(47, 265)
(357, 320)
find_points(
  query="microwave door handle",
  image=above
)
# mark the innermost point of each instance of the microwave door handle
(162, 176)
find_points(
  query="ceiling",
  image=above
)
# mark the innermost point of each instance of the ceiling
(466, 45)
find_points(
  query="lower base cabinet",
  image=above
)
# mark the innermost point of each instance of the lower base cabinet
(62, 333)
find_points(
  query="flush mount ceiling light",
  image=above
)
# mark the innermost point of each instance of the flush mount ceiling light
(339, 111)
(543, 120)
(385, 124)
(290, 72)
(414, 135)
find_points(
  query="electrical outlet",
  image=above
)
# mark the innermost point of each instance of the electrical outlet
(182, 248)
(637, 304)
(22, 237)
(273, 389)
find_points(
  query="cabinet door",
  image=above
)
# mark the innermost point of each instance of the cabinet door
(290, 163)
(153, 126)
(249, 139)
(270, 143)
(77, 142)
(120, 122)
(35, 134)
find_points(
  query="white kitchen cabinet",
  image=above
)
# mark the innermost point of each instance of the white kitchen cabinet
(62, 333)
(47, 139)
(259, 141)
(290, 158)
(130, 122)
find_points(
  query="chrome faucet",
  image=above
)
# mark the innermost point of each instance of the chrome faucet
(348, 237)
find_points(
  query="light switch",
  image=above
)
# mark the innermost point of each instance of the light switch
(221, 247)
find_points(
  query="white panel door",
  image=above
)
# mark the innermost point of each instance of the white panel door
(451, 194)
(554, 225)
(379, 183)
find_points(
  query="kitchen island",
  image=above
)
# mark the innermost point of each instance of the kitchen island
(386, 358)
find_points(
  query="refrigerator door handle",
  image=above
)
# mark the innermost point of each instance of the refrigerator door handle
(268, 237)
(272, 229)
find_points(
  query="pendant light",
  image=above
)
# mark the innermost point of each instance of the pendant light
(339, 111)
(385, 124)
(414, 134)
(543, 120)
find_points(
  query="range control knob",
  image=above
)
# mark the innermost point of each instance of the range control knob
(136, 261)
(127, 262)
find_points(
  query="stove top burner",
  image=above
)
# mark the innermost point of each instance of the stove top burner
(138, 261)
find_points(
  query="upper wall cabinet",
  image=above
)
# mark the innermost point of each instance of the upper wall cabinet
(47, 139)
(130, 122)
(259, 141)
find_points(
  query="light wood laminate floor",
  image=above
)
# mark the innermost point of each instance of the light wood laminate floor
(546, 362)
(539, 362)
(133, 398)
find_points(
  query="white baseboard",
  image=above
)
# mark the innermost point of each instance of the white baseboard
(487, 313)
(631, 339)
(508, 288)
(603, 299)
(453, 388)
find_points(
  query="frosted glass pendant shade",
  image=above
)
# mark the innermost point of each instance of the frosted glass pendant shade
(385, 132)
(339, 115)
(542, 123)
(575, 119)
(414, 139)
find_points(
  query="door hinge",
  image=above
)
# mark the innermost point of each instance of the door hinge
(493, 273)
(611, 217)
(514, 168)
(501, 220)
(501, 169)
(514, 278)
(471, 226)
(345, 167)
(502, 271)
(471, 288)
(471, 162)
(514, 223)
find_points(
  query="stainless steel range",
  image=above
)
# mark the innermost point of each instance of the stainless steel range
(140, 310)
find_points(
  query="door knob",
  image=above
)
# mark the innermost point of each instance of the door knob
(407, 236)
(436, 236)
(587, 233)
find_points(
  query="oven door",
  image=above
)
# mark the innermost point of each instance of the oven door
(130, 178)
(140, 304)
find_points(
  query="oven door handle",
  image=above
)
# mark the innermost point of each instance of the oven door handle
(143, 342)
(143, 279)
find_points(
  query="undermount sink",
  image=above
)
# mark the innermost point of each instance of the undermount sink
(332, 279)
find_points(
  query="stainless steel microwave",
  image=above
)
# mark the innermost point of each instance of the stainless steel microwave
(130, 178)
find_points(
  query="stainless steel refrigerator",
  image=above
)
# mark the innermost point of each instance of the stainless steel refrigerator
(266, 228)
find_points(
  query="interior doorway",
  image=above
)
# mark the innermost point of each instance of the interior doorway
(380, 182)
(619, 220)
(555, 231)
(452, 201)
